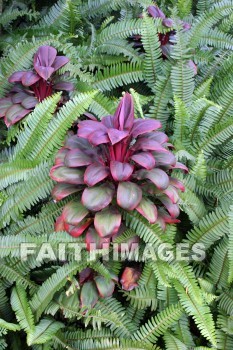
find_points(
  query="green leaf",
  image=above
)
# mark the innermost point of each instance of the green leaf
(22, 309)
(9, 326)
(44, 331)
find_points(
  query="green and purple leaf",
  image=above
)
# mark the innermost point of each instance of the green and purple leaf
(98, 197)
(87, 127)
(60, 156)
(67, 175)
(172, 208)
(129, 195)
(177, 183)
(14, 114)
(107, 222)
(5, 103)
(77, 158)
(95, 173)
(145, 159)
(94, 241)
(116, 135)
(104, 286)
(64, 86)
(29, 102)
(155, 12)
(74, 212)
(121, 171)
(62, 190)
(59, 62)
(157, 176)
(145, 144)
(129, 278)
(123, 118)
(19, 97)
(89, 295)
(59, 224)
(30, 78)
(76, 231)
(16, 77)
(142, 126)
(172, 194)
(148, 210)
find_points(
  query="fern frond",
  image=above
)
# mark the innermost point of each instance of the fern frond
(210, 229)
(22, 309)
(44, 331)
(219, 265)
(208, 19)
(120, 30)
(12, 274)
(9, 326)
(200, 313)
(149, 233)
(26, 194)
(159, 324)
(118, 75)
(51, 140)
(216, 136)
(217, 39)
(173, 343)
(226, 301)
(153, 55)
(142, 297)
(38, 224)
(15, 171)
(110, 312)
(47, 290)
(163, 93)
(36, 124)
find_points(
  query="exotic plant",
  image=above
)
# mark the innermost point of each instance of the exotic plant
(33, 86)
(181, 302)
(117, 163)
(95, 286)
(129, 278)
(167, 39)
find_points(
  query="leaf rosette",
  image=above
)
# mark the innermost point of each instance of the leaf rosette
(32, 87)
(118, 163)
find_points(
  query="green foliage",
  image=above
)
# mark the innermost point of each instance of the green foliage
(177, 304)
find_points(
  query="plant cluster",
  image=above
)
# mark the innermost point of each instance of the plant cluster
(117, 162)
(32, 87)
(94, 133)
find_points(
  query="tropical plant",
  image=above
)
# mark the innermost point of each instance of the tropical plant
(160, 297)
(33, 87)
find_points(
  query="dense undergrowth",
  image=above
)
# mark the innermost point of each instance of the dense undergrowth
(176, 62)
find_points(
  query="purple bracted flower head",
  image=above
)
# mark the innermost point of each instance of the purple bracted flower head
(118, 162)
(32, 87)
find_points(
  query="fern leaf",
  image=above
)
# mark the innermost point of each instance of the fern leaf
(26, 195)
(118, 75)
(153, 55)
(210, 229)
(51, 140)
(47, 290)
(36, 125)
(219, 265)
(44, 331)
(22, 309)
(159, 324)
(200, 314)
